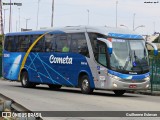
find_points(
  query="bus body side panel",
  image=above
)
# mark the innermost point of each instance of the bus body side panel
(11, 64)
(56, 68)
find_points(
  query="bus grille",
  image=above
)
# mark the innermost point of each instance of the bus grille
(132, 81)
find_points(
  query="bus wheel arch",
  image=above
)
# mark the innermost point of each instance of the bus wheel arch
(84, 83)
(24, 78)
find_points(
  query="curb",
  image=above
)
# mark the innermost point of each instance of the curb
(148, 92)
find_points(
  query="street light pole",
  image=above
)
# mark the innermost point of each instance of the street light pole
(153, 27)
(116, 12)
(4, 19)
(52, 13)
(10, 18)
(19, 20)
(27, 22)
(133, 20)
(16, 25)
(37, 15)
(88, 15)
(139, 27)
(124, 26)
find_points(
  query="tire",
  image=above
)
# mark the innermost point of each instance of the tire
(54, 87)
(25, 80)
(85, 85)
(119, 92)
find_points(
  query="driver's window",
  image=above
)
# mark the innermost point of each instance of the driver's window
(101, 56)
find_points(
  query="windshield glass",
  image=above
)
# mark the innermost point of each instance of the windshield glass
(129, 56)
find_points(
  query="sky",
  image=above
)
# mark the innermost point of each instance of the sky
(75, 12)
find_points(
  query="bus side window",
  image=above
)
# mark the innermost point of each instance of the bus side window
(9, 44)
(80, 44)
(102, 58)
(63, 43)
(16, 40)
(50, 43)
(74, 46)
(23, 42)
(93, 39)
(39, 46)
(6, 43)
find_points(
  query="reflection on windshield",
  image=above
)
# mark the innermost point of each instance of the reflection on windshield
(129, 55)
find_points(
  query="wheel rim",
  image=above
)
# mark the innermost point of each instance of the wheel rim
(85, 84)
(24, 80)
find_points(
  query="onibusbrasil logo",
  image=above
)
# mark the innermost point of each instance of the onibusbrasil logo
(60, 60)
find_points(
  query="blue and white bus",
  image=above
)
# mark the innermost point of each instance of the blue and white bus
(81, 56)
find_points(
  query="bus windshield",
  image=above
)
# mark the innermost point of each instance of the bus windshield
(129, 56)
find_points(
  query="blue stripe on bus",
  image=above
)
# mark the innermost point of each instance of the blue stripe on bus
(129, 76)
(125, 36)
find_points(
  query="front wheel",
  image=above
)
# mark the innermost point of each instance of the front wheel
(119, 92)
(85, 85)
(25, 80)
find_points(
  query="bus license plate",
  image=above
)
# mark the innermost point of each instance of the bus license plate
(132, 86)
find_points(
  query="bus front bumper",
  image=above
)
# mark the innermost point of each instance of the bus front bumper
(129, 85)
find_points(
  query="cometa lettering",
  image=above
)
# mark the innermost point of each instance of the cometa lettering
(60, 60)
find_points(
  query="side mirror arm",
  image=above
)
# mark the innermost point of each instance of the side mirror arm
(154, 46)
(109, 44)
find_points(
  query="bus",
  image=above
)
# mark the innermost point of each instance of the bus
(87, 57)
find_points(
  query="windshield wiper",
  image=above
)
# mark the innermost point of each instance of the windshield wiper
(135, 55)
(127, 60)
(137, 61)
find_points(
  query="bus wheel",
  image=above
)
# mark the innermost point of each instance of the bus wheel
(119, 92)
(54, 87)
(85, 85)
(25, 80)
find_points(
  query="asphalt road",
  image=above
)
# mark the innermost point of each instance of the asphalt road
(70, 99)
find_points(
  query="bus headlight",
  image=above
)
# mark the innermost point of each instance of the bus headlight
(147, 78)
(147, 86)
(117, 78)
(114, 85)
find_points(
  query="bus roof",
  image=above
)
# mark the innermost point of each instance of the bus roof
(109, 31)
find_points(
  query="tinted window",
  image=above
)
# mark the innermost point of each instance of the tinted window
(9, 44)
(23, 42)
(79, 44)
(39, 47)
(50, 43)
(63, 43)
(16, 40)
(93, 38)
(101, 53)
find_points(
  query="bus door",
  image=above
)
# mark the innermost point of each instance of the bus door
(102, 58)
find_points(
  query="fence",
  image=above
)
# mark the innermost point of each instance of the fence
(155, 74)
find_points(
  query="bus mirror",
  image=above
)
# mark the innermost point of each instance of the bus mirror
(155, 52)
(110, 50)
(154, 46)
(109, 44)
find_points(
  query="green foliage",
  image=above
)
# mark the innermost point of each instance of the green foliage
(151, 54)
